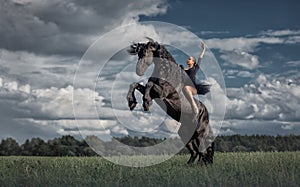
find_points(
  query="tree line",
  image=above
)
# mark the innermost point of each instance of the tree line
(69, 146)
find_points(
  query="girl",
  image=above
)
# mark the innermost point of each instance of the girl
(191, 88)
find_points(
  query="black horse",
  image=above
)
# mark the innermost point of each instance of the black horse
(165, 87)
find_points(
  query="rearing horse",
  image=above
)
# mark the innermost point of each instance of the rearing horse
(165, 87)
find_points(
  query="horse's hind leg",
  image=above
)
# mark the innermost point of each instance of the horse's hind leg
(210, 146)
(204, 138)
(193, 151)
(210, 153)
(206, 146)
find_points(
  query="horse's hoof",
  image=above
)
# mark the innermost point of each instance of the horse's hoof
(132, 105)
(146, 105)
(190, 164)
(192, 159)
(202, 163)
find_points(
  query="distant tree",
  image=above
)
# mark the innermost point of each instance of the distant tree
(96, 143)
(239, 148)
(64, 146)
(9, 146)
(26, 148)
(69, 146)
(35, 147)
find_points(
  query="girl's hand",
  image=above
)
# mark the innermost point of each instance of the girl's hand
(202, 45)
(203, 50)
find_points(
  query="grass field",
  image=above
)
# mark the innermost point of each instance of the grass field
(229, 169)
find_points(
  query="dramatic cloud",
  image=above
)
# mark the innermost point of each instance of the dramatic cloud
(40, 71)
(243, 59)
(241, 43)
(233, 73)
(269, 99)
(66, 27)
(241, 50)
(286, 32)
(231, 127)
(51, 103)
(52, 109)
(42, 43)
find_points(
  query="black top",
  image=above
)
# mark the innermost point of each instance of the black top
(193, 71)
(202, 88)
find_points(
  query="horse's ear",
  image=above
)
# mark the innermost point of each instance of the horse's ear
(150, 39)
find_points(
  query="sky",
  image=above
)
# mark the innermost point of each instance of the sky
(256, 44)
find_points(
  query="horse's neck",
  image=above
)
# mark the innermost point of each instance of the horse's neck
(168, 71)
(170, 78)
(163, 68)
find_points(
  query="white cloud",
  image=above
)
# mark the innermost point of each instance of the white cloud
(293, 63)
(285, 32)
(271, 127)
(241, 43)
(287, 127)
(243, 59)
(11, 86)
(213, 32)
(39, 71)
(51, 102)
(45, 91)
(241, 50)
(245, 74)
(84, 127)
(293, 40)
(236, 73)
(267, 99)
(25, 88)
(66, 27)
(248, 44)
(52, 109)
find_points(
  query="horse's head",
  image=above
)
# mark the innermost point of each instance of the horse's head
(145, 52)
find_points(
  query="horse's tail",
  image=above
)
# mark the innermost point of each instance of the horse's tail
(202, 88)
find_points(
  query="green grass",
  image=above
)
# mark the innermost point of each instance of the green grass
(229, 169)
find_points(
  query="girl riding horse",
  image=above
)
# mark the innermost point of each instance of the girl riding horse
(191, 88)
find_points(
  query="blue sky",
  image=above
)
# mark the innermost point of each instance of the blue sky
(256, 44)
(249, 19)
(237, 17)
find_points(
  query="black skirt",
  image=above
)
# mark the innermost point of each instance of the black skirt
(202, 88)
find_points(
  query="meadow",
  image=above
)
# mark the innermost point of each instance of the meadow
(229, 169)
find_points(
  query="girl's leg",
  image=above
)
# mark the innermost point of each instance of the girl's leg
(189, 91)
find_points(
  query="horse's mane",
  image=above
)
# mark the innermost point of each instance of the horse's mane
(163, 53)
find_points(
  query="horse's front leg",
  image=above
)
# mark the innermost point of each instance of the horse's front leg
(130, 95)
(147, 100)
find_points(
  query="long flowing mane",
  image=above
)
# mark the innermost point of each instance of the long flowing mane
(167, 69)
(165, 54)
